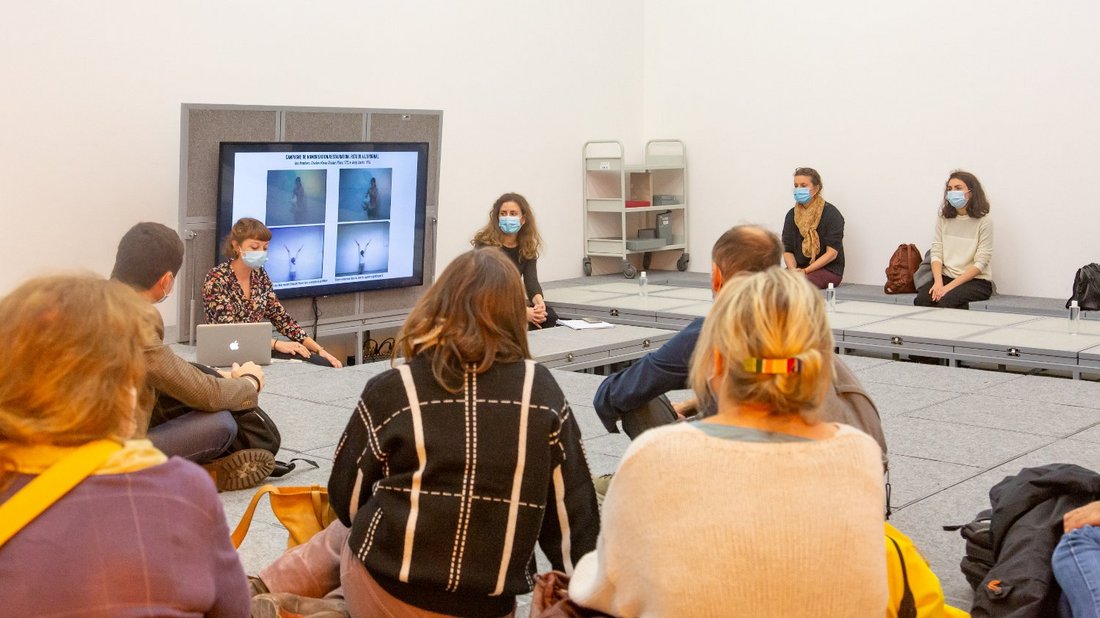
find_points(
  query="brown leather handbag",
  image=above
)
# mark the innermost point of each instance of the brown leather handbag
(899, 273)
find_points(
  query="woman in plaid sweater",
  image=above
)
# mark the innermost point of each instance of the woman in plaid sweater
(455, 463)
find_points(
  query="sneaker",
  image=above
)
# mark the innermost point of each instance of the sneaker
(242, 469)
(602, 482)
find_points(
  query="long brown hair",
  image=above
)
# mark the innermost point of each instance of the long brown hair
(474, 315)
(528, 238)
(977, 206)
(72, 361)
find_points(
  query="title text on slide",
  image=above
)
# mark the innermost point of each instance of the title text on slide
(325, 156)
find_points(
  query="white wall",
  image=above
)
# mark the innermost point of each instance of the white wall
(91, 110)
(885, 99)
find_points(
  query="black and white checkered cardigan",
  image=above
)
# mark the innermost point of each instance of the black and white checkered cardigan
(446, 494)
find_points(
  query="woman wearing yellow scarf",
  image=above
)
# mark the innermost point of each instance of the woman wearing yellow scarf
(813, 232)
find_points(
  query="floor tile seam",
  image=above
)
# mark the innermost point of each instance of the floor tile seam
(965, 465)
(930, 405)
(299, 451)
(972, 477)
(884, 361)
(923, 387)
(1016, 431)
(983, 393)
(291, 450)
(313, 401)
(965, 424)
(1066, 380)
(618, 456)
(1082, 441)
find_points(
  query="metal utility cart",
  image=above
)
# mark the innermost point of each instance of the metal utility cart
(635, 209)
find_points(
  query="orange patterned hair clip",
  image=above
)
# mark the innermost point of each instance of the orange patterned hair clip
(773, 365)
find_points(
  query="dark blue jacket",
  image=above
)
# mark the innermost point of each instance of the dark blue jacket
(663, 370)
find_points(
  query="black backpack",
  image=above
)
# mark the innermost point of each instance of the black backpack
(979, 557)
(657, 412)
(255, 429)
(1086, 288)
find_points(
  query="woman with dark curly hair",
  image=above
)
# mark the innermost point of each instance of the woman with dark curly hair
(512, 227)
(962, 247)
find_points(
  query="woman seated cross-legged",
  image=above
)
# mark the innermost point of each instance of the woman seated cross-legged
(962, 248)
(453, 465)
(813, 232)
(512, 228)
(784, 512)
(240, 290)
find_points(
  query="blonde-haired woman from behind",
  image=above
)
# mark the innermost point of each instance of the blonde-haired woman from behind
(788, 509)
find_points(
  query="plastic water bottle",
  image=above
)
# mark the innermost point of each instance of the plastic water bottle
(1074, 317)
(830, 298)
(643, 285)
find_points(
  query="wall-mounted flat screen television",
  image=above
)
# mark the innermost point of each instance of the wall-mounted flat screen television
(344, 217)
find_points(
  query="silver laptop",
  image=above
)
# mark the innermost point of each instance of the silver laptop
(221, 345)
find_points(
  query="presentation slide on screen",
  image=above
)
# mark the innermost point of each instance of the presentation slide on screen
(335, 217)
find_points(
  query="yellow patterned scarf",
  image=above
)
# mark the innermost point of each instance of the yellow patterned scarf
(806, 218)
(35, 459)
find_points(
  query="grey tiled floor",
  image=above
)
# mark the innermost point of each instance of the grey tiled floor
(952, 434)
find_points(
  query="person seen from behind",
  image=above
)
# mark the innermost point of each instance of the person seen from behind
(140, 534)
(790, 508)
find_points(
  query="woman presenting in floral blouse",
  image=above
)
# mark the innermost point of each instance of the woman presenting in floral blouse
(239, 290)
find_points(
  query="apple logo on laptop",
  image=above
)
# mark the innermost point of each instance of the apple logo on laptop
(234, 345)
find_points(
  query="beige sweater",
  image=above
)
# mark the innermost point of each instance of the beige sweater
(695, 525)
(963, 242)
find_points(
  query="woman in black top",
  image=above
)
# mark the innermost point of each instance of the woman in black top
(512, 227)
(813, 233)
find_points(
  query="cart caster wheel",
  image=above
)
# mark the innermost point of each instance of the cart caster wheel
(586, 264)
(682, 262)
(647, 259)
(629, 271)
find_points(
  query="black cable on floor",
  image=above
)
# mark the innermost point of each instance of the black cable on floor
(316, 316)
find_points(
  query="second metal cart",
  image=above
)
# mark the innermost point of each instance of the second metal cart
(635, 209)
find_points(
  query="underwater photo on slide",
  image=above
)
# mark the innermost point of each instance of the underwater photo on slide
(362, 248)
(295, 253)
(296, 197)
(365, 194)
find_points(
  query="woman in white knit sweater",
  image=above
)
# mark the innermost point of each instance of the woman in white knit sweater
(962, 248)
(761, 509)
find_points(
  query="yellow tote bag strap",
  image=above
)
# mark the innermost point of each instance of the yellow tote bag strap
(246, 518)
(48, 487)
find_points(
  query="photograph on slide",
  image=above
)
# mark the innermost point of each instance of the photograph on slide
(295, 253)
(295, 197)
(365, 194)
(362, 248)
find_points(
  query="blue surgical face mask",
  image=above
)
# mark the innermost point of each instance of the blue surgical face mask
(254, 259)
(510, 225)
(957, 199)
(801, 194)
